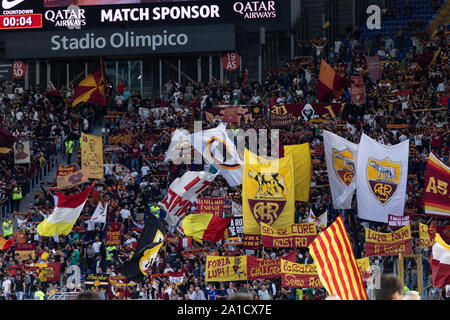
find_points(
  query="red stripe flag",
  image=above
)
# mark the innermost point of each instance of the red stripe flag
(336, 263)
(440, 262)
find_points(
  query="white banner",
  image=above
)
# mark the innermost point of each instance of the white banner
(183, 192)
(236, 209)
(210, 144)
(321, 221)
(340, 155)
(394, 221)
(381, 174)
(100, 213)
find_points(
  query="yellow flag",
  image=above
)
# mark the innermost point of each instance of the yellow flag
(267, 193)
(233, 268)
(301, 155)
(92, 155)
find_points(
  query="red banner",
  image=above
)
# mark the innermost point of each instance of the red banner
(113, 238)
(266, 268)
(211, 205)
(398, 221)
(295, 275)
(388, 244)
(231, 61)
(62, 171)
(437, 181)
(357, 90)
(294, 236)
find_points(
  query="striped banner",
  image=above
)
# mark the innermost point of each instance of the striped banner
(336, 263)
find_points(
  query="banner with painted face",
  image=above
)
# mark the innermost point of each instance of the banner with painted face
(227, 268)
(381, 174)
(340, 155)
(268, 195)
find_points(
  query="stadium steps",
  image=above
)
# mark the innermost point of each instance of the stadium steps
(441, 18)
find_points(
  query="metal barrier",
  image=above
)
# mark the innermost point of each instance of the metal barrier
(63, 296)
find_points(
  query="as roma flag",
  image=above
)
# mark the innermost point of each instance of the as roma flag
(330, 83)
(150, 241)
(92, 89)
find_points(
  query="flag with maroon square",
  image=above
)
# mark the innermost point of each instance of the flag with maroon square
(330, 84)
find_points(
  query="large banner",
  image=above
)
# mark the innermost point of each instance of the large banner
(266, 268)
(437, 181)
(426, 235)
(388, 244)
(267, 195)
(295, 275)
(212, 205)
(293, 236)
(49, 271)
(340, 155)
(225, 268)
(92, 155)
(307, 111)
(22, 152)
(73, 179)
(381, 174)
(183, 192)
(301, 155)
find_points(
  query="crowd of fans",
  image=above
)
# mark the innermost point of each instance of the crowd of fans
(46, 119)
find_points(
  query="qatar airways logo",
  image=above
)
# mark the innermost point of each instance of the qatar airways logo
(256, 9)
(73, 17)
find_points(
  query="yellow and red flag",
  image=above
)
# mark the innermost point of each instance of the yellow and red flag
(6, 244)
(92, 89)
(330, 83)
(205, 227)
(336, 263)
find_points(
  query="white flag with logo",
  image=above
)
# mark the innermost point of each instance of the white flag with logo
(179, 145)
(100, 212)
(211, 144)
(321, 221)
(183, 192)
(340, 155)
(381, 174)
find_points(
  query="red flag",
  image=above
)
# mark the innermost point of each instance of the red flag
(440, 262)
(6, 141)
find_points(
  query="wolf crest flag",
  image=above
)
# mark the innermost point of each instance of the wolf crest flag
(183, 192)
(336, 263)
(437, 190)
(340, 156)
(149, 243)
(211, 143)
(268, 195)
(381, 174)
(301, 155)
(65, 214)
(440, 262)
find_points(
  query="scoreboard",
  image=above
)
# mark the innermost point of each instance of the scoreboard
(21, 21)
